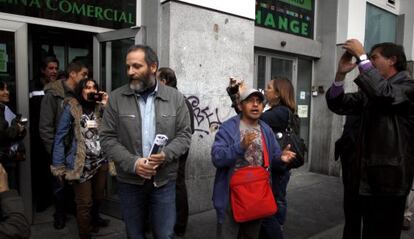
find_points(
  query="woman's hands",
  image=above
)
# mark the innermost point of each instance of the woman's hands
(105, 98)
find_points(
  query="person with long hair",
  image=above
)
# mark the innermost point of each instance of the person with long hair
(12, 131)
(78, 156)
(280, 98)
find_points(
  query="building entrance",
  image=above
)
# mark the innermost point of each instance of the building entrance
(46, 43)
(296, 69)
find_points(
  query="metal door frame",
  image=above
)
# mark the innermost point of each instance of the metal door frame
(22, 97)
(111, 206)
(138, 33)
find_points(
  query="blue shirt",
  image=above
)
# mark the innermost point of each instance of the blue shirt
(147, 110)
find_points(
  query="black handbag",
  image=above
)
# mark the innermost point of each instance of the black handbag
(297, 144)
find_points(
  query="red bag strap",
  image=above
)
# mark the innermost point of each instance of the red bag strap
(265, 153)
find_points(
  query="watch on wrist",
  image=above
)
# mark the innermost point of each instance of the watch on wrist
(361, 58)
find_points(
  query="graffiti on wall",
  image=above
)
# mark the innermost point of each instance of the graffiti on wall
(206, 119)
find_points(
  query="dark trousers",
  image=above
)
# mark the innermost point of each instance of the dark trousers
(352, 202)
(382, 216)
(272, 227)
(12, 175)
(353, 215)
(181, 202)
(41, 178)
(88, 197)
(62, 198)
(230, 229)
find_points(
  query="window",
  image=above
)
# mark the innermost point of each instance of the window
(380, 26)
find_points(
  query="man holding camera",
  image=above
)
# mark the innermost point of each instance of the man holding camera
(385, 103)
(135, 113)
(50, 111)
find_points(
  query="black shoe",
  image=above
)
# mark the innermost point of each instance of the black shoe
(179, 231)
(406, 225)
(95, 230)
(59, 222)
(100, 222)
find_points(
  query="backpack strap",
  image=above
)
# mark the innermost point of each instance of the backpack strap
(265, 153)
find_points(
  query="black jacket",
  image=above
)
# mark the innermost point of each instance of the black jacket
(13, 223)
(50, 111)
(385, 150)
(8, 136)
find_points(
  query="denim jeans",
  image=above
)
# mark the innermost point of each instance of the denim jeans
(272, 227)
(135, 199)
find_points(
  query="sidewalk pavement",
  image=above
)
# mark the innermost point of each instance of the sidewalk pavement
(314, 212)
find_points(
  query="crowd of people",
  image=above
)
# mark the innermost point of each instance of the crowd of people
(79, 130)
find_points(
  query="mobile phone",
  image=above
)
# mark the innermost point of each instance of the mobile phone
(23, 121)
(95, 96)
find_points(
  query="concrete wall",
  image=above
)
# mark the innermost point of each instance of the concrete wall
(205, 47)
(324, 130)
(149, 18)
(270, 39)
(406, 9)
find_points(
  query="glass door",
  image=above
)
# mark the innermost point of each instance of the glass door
(268, 66)
(109, 70)
(14, 71)
(298, 70)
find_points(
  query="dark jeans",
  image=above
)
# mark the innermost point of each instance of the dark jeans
(382, 216)
(63, 197)
(88, 197)
(230, 229)
(272, 227)
(181, 195)
(135, 199)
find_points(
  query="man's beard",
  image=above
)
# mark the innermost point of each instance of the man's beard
(142, 83)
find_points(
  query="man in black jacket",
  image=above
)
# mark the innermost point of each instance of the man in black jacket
(41, 175)
(50, 111)
(385, 103)
(167, 76)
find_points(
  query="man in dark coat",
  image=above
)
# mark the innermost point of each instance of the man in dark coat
(41, 176)
(385, 103)
(167, 76)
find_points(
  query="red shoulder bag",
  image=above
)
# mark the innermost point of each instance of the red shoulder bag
(251, 195)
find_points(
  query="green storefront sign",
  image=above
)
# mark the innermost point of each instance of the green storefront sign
(290, 16)
(100, 13)
(305, 4)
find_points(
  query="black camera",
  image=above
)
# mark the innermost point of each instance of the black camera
(21, 120)
(97, 97)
